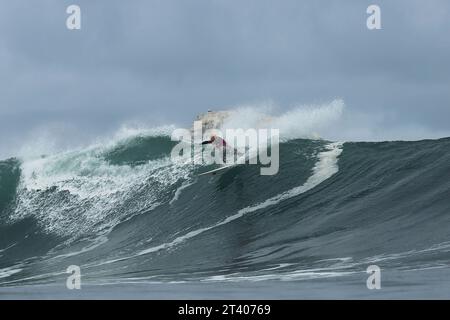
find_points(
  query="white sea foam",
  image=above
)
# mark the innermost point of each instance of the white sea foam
(300, 122)
(95, 244)
(281, 276)
(179, 190)
(80, 192)
(7, 272)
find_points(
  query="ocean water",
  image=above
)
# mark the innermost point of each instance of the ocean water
(139, 225)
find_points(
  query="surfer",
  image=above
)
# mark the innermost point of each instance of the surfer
(218, 143)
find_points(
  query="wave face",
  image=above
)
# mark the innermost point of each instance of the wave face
(125, 213)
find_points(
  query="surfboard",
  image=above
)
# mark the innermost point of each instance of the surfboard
(243, 159)
(218, 169)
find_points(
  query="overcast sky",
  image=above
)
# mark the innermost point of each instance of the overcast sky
(165, 61)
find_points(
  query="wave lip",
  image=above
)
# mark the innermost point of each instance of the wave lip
(303, 122)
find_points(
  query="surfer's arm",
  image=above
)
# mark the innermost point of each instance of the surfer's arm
(207, 142)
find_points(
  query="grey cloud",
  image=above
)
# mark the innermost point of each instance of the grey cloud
(168, 60)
